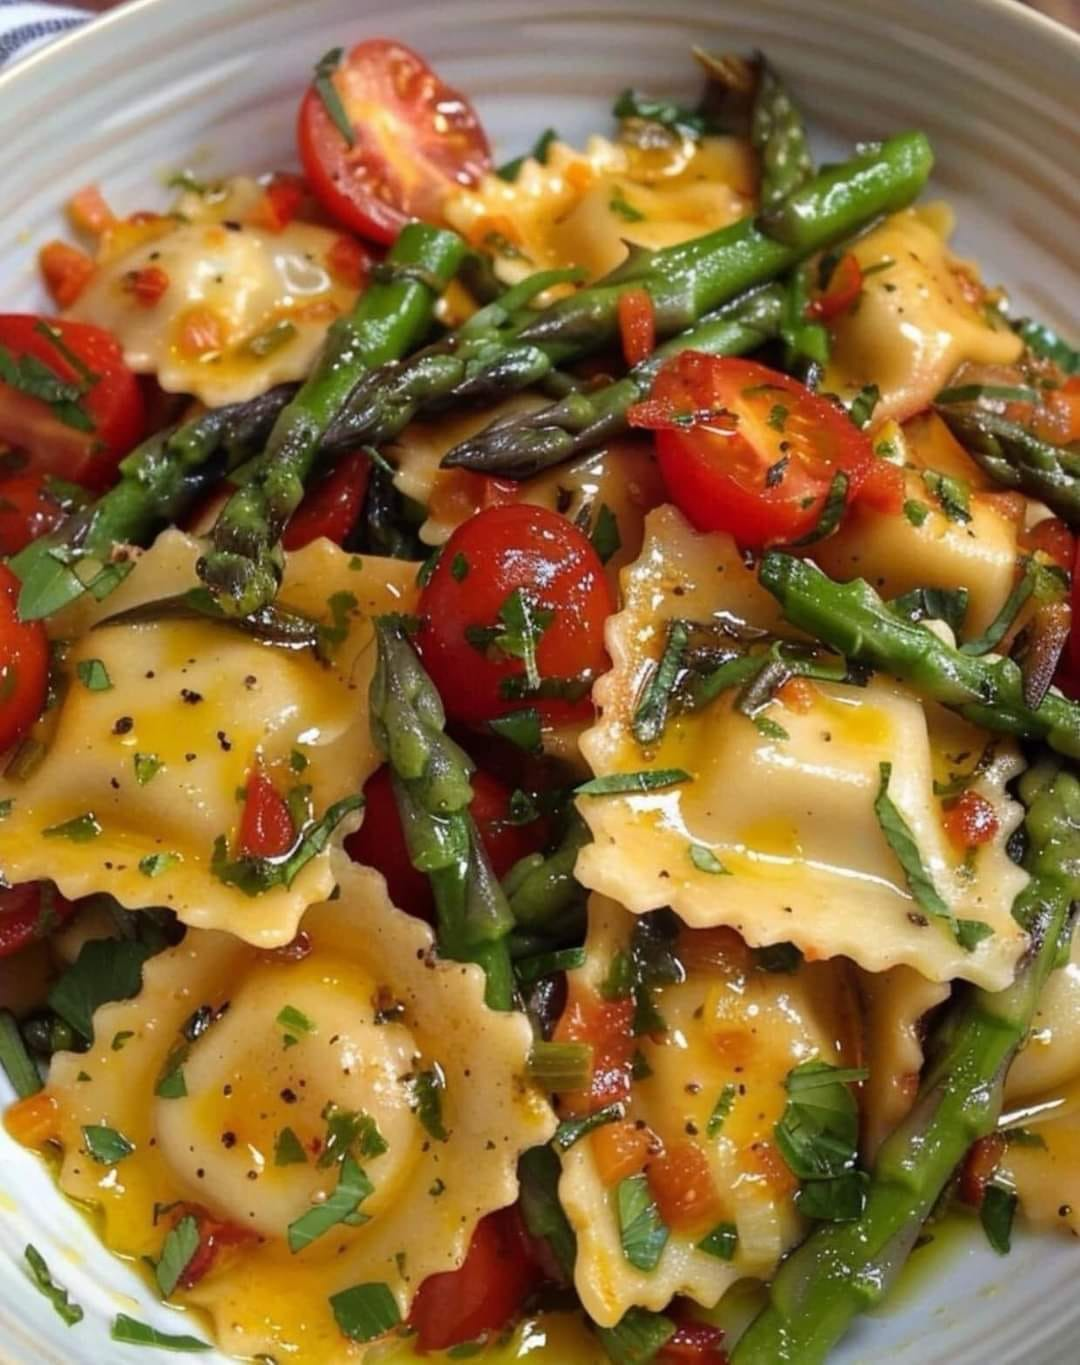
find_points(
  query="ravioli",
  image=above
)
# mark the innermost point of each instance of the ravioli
(244, 308)
(155, 760)
(357, 1024)
(918, 318)
(583, 208)
(731, 1028)
(787, 807)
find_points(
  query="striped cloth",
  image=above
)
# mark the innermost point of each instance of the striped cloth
(25, 25)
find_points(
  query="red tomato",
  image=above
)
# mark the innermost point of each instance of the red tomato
(844, 287)
(1054, 539)
(266, 827)
(280, 203)
(380, 843)
(414, 140)
(637, 325)
(694, 1343)
(66, 271)
(24, 665)
(113, 401)
(484, 562)
(607, 1026)
(883, 487)
(29, 912)
(748, 450)
(970, 820)
(349, 262)
(27, 510)
(485, 1293)
(332, 504)
(214, 1236)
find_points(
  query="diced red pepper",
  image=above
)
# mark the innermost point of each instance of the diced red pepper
(266, 827)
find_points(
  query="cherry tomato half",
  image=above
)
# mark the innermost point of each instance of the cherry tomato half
(29, 912)
(748, 450)
(485, 1293)
(551, 566)
(379, 842)
(414, 140)
(27, 510)
(332, 504)
(112, 401)
(24, 665)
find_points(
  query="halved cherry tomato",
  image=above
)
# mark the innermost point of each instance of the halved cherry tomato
(637, 325)
(27, 510)
(844, 287)
(332, 504)
(485, 1293)
(487, 559)
(380, 843)
(24, 665)
(414, 140)
(112, 401)
(694, 1343)
(748, 450)
(607, 1026)
(266, 827)
(29, 912)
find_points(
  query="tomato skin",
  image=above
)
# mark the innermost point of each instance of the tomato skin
(266, 827)
(844, 287)
(748, 450)
(1054, 539)
(607, 1026)
(415, 140)
(883, 488)
(28, 912)
(27, 510)
(694, 1343)
(214, 1236)
(380, 843)
(487, 1291)
(506, 548)
(331, 506)
(114, 403)
(24, 665)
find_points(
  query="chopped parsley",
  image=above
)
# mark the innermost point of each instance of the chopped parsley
(642, 1231)
(70, 1312)
(106, 1145)
(323, 83)
(93, 675)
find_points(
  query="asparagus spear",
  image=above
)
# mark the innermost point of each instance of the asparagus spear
(243, 568)
(431, 785)
(489, 357)
(519, 446)
(778, 136)
(1017, 458)
(844, 1268)
(159, 481)
(851, 618)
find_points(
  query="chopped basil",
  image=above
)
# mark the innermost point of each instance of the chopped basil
(861, 407)
(1045, 342)
(253, 876)
(953, 494)
(154, 864)
(33, 377)
(510, 170)
(605, 537)
(6, 807)
(80, 829)
(16, 1061)
(638, 1336)
(341, 1206)
(642, 1231)
(778, 416)
(341, 605)
(427, 1092)
(347, 1129)
(106, 969)
(521, 728)
(650, 716)
(573, 1130)
(818, 1135)
(996, 1214)
(171, 1084)
(146, 767)
(769, 729)
(426, 571)
(721, 1109)
(619, 204)
(721, 1242)
(119, 1039)
(620, 784)
(916, 511)
(326, 90)
(538, 1173)
(365, 1311)
(1003, 622)
(288, 1150)
(93, 675)
(135, 1333)
(933, 604)
(1024, 1137)
(57, 1295)
(295, 1023)
(523, 624)
(705, 860)
(105, 1145)
(459, 568)
(832, 511)
(971, 932)
(669, 114)
(179, 1247)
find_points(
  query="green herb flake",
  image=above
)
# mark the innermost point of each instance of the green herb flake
(642, 1231)
(288, 1150)
(154, 864)
(571, 1131)
(426, 1100)
(523, 625)
(861, 408)
(521, 728)
(777, 418)
(623, 784)
(342, 1206)
(93, 675)
(106, 969)
(817, 1135)
(459, 568)
(996, 1214)
(294, 1023)
(326, 90)
(253, 876)
(134, 1333)
(954, 495)
(365, 1311)
(916, 511)
(297, 761)
(171, 1084)
(510, 170)
(81, 829)
(651, 713)
(635, 104)
(705, 860)
(638, 1336)
(69, 1312)
(147, 766)
(900, 839)
(832, 511)
(605, 537)
(1045, 342)
(272, 339)
(6, 807)
(769, 729)
(618, 204)
(105, 1145)
(721, 1242)
(119, 1039)
(721, 1109)
(179, 1247)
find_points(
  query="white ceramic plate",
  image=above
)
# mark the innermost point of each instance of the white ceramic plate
(214, 84)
